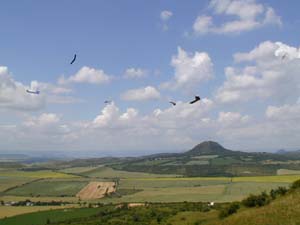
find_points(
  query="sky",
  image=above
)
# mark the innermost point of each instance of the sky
(241, 57)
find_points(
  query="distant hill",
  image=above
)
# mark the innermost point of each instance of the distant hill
(208, 148)
(13, 156)
(209, 158)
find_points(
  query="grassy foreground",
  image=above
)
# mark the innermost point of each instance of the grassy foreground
(283, 209)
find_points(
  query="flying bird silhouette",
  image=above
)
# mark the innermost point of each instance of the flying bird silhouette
(73, 60)
(107, 101)
(197, 98)
(33, 92)
(173, 103)
(284, 56)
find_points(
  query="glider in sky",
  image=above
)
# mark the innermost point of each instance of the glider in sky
(73, 60)
(173, 103)
(33, 92)
(197, 98)
(107, 101)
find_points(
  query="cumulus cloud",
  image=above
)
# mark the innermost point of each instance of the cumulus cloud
(190, 70)
(13, 94)
(172, 128)
(87, 75)
(248, 13)
(232, 119)
(286, 112)
(271, 76)
(44, 119)
(132, 73)
(141, 94)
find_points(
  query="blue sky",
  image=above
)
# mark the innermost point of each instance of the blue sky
(171, 51)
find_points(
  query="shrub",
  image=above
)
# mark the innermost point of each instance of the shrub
(295, 185)
(278, 192)
(231, 209)
(256, 200)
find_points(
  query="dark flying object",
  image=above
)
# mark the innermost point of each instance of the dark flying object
(33, 92)
(173, 103)
(197, 98)
(284, 56)
(107, 102)
(73, 60)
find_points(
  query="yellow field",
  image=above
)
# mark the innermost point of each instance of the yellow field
(35, 174)
(282, 178)
(9, 198)
(7, 211)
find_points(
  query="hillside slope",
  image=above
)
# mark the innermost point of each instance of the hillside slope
(282, 211)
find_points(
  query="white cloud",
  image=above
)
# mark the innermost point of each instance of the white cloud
(141, 94)
(173, 128)
(129, 114)
(203, 24)
(271, 76)
(108, 115)
(132, 73)
(165, 15)
(249, 15)
(285, 112)
(232, 119)
(13, 94)
(87, 75)
(55, 94)
(44, 119)
(190, 70)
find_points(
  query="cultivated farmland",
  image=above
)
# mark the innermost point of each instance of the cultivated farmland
(95, 190)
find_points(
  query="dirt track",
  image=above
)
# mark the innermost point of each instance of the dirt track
(96, 190)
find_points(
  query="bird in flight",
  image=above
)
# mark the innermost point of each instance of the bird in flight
(107, 101)
(197, 98)
(284, 56)
(73, 60)
(173, 103)
(33, 92)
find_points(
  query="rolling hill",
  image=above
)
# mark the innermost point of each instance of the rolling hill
(212, 159)
(205, 159)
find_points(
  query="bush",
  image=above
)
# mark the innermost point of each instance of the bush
(295, 185)
(278, 192)
(256, 200)
(231, 209)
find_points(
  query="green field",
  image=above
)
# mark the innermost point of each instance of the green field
(75, 170)
(192, 190)
(53, 187)
(40, 218)
(9, 182)
(106, 172)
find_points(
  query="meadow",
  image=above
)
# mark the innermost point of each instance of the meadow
(63, 185)
(107, 172)
(9, 182)
(34, 174)
(50, 215)
(49, 187)
(9, 211)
